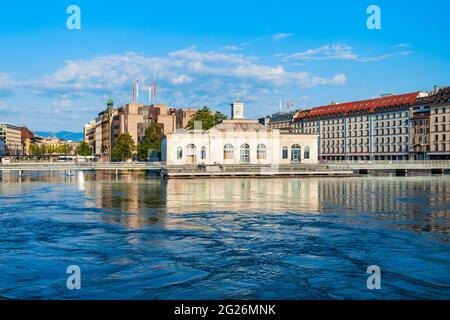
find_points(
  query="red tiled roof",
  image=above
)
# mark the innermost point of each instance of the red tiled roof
(368, 106)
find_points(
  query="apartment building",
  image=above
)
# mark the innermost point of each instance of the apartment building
(420, 128)
(89, 134)
(102, 132)
(282, 121)
(183, 116)
(12, 139)
(375, 129)
(440, 124)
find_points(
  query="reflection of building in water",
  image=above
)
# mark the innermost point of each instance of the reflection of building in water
(131, 194)
(135, 202)
(390, 198)
(365, 195)
(244, 195)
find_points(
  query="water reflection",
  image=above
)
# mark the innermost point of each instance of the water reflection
(421, 202)
(138, 237)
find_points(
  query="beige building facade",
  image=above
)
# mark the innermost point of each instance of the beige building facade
(12, 139)
(440, 125)
(239, 141)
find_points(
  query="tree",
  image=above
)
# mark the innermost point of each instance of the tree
(219, 117)
(124, 148)
(84, 150)
(207, 118)
(152, 141)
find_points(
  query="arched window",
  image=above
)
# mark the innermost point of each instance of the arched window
(261, 152)
(307, 153)
(245, 153)
(228, 152)
(203, 153)
(179, 153)
(296, 153)
(285, 153)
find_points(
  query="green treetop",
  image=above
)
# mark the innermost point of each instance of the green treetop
(152, 141)
(124, 148)
(207, 118)
(84, 150)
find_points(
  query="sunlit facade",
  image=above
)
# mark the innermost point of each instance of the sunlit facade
(239, 141)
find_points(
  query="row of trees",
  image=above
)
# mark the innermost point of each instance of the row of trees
(125, 147)
(62, 150)
(46, 150)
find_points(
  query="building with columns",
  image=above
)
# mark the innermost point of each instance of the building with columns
(239, 141)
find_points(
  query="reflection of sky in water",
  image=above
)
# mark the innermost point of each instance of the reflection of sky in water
(138, 237)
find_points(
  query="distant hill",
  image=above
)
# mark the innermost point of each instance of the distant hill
(65, 135)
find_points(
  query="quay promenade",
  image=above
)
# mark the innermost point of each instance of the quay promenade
(389, 165)
(342, 168)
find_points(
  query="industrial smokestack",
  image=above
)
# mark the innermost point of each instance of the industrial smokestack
(154, 91)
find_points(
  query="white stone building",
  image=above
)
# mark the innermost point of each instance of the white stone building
(239, 141)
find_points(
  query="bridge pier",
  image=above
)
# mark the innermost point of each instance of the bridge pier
(117, 174)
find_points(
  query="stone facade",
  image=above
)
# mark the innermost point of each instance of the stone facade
(239, 141)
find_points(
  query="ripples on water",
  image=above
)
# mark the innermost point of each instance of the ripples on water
(140, 238)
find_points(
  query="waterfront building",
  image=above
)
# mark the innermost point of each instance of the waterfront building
(420, 128)
(440, 124)
(183, 116)
(2, 147)
(89, 134)
(239, 141)
(282, 121)
(102, 133)
(27, 139)
(12, 139)
(375, 129)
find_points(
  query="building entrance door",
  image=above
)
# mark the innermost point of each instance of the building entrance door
(245, 154)
(296, 154)
(191, 154)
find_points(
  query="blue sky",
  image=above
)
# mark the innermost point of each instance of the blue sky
(212, 52)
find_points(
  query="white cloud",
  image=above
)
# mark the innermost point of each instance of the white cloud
(281, 36)
(6, 84)
(187, 66)
(339, 51)
(231, 48)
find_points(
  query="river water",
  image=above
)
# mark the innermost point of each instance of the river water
(137, 237)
